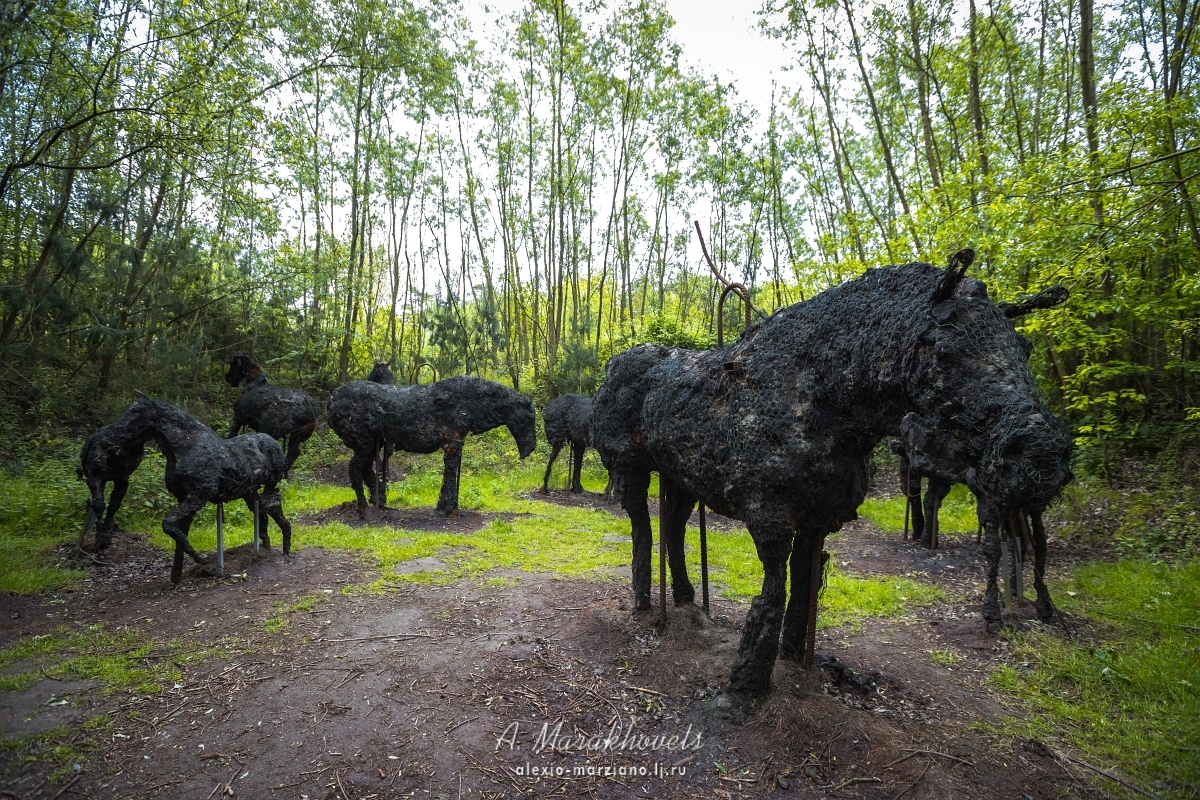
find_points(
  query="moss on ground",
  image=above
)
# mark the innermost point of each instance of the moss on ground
(1126, 692)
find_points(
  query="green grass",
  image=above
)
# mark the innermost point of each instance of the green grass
(115, 661)
(1128, 694)
(957, 514)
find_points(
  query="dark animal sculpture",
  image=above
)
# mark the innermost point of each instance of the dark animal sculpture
(1024, 524)
(111, 455)
(777, 429)
(422, 419)
(203, 468)
(288, 415)
(567, 418)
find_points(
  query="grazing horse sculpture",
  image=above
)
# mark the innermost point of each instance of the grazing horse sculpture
(204, 468)
(1020, 524)
(422, 419)
(284, 414)
(777, 429)
(111, 455)
(567, 418)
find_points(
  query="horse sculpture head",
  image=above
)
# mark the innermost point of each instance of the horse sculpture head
(522, 424)
(241, 366)
(974, 395)
(381, 373)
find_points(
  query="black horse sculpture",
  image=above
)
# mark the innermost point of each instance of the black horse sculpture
(204, 468)
(777, 429)
(1023, 524)
(422, 419)
(111, 455)
(567, 418)
(288, 415)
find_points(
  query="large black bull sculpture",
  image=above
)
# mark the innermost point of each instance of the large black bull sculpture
(777, 429)
(422, 419)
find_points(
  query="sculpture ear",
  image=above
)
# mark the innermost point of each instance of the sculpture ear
(953, 274)
(1046, 298)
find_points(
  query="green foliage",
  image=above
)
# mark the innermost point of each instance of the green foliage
(1158, 517)
(957, 514)
(1124, 693)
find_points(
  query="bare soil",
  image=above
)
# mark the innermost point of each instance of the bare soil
(442, 691)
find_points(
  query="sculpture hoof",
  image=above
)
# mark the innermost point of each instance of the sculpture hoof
(543, 490)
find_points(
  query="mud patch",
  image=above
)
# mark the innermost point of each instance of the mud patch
(416, 519)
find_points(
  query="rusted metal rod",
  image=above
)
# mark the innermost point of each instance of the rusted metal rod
(662, 579)
(703, 560)
(743, 292)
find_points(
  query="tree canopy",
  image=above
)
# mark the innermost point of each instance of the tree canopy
(330, 184)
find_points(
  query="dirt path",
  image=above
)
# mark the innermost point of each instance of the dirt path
(442, 691)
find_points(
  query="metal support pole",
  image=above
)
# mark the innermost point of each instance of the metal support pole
(814, 591)
(937, 509)
(662, 579)
(379, 478)
(907, 508)
(220, 540)
(1004, 568)
(1018, 573)
(256, 528)
(703, 560)
(88, 521)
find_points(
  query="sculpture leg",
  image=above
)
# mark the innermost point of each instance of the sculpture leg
(120, 487)
(1045, 606)
(176, 525)
(674, 510)
(271, 503)
(369, 477)
(991, 552)
(577, 451)
(95, 510)
(938, 489)
(452, 463)
(808, 565)
(914, 500)
(760, 637)
(295, 439)
(357, 462)
(632, 494)
(555, 447)
(383, 474)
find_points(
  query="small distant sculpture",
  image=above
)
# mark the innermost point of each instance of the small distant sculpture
(422, 419)
(288, 415)
(567, 418)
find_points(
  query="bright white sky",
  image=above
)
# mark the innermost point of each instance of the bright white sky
(720, 37)
(724, 37)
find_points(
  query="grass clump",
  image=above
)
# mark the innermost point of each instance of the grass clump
(1128, 694)
(115, 661)
(957, 514)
